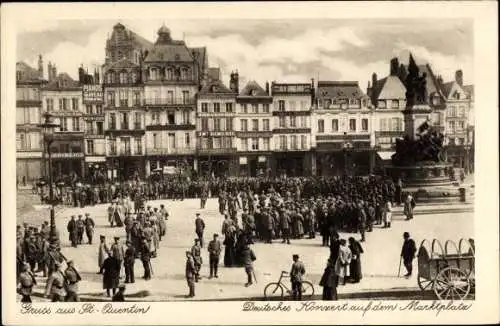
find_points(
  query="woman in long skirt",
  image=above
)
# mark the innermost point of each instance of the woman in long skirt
(355, 265)
(329, 281)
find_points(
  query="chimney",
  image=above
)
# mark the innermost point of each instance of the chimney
(267, 88)
(313, 92)
(81, 75)
(40, 66)
(234, 82)
(402, 72)
(49, 71)
(54, 71)
(394, 67)
(374, 79)
(459, 77)
(96, 75)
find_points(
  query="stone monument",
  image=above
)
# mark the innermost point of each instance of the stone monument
(418, 160)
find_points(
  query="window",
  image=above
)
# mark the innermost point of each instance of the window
(244, 125)
(352, 124)
(137, 146)
(461, 125)
(281, 122)
(186, 117)
(156, 141)
(112, 121)
(293, 121)
(170, 73)
(64, 124)
(364, 124)
(255, 108)
(244, 144)
(292, 105)
(171, 118)
(244, 108)
(111, 99)
(282, 142)
(90, 146)
(123, 77)
(155, 117)
(281, 105)
(451, 141)
(170, 97)
(217, 124)
(154, 74)
(229, 124)
(99, 128)
(303, 122)
(112, 146)
(19, 141)
(255, 125)
(204, 107)
(123, 98)
(64, 104)
(303, 141)
(125, 145)
(451, 125)
(265, 124)
(187, 139)
(461, 141)
(216, 107)
(98, 109)
(453, 111)
(89, 128)
(88, 109)
(267, 144)
(321, 126)
(124, 121)
(184, 73)
(255, 144)
(185, 97)
(335, 125)
(229, 107)
(76, 124)
(265, 108)
(137, 120)
(293, 142)
(50, 104)
(383, 125)
(137, 98)
(110, 77)
(204, 124)
(395, 104)
(216, 142)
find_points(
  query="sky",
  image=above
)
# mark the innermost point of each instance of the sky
(293, 50)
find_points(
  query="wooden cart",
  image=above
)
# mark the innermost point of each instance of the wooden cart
(448, 270)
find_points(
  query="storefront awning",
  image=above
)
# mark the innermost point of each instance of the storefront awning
(385, 155)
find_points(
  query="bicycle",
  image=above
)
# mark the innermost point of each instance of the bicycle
(275, 289)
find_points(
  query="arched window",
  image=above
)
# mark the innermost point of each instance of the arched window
(170, 74)
(133, 77)
(154, 74)
(184, 73)
(123, 77)
(110, 77)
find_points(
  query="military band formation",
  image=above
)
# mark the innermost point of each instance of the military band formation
(278, 210)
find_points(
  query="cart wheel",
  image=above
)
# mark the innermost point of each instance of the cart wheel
(273, 290)
(307, 289)
(451, 284)
(424, 284)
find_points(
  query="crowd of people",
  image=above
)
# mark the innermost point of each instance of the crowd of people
(254, 209)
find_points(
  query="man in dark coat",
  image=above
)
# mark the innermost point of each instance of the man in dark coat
(198, 261)
(199, 228)
(89, 227)
(248, 257)
(214, 250)
(329, 281)
(129, 262)
(285, 225)
(111, 274)
(72, 230)
(190, 273)
(72, 278)
(80, 228)
(146, 259)
(408, 253)
(355, 265)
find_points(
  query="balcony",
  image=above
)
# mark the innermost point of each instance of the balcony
(169, 101)
(171, 127)
(291, 130)
(292, 113)
(170, 151)
(216, 151)
(389, 134)
(28, 103)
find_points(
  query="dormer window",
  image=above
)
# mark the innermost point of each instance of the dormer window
(214, 88)
(170, 73)
(154, 74)
(123, 77)
(253, 92)
(177, 56)
(110, 77)
(184, 73)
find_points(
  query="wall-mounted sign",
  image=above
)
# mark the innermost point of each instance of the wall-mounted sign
(243, 160)
(262, 159)
(92, 93)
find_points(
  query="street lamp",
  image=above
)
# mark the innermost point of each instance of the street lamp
(48, 128)
(346, 146)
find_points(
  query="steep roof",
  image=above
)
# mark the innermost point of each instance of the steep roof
(122, 63)
(253, 87)
(215, 87)
(469, 89)
(28, 74)
(200, 55)
(63, 81)
(339, 89)
(390, 87)
(173, 51)
(446, 88)
(140, 40)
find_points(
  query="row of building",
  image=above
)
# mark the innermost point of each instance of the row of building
(159, 108)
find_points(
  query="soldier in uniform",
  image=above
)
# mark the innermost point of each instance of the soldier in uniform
(214, 250)
(198, 261)
(128, 263)
(111, 213)
(190, 273)
(89, 227)
(117, 253)
(31, 252)
(146, 259)
(203, 197)
(296, 273)
(248, 257)
(72, 230)
(408, 253)
(103, 252)
(56, 284)
(72, 278)
(361, 221)
(199, 228)
(26, 283)
(285, 225)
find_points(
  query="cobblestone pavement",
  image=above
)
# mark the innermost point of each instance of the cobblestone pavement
(379, 263)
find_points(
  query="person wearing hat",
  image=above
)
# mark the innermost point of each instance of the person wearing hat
(26, 283)
(190, 273)
(214, 250)
(199, 228)
(55, 286)
(102, 253)
(89, 227)
(110, 274)
(72, 278)
(408, 253)
(72, 230)
(329, 281)
(248, 257)
(198, 261)
(296, 273)
(111, 214)
(118, 253)
(129, 262)
(146, 259)
(119, 296)
(31, 251)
